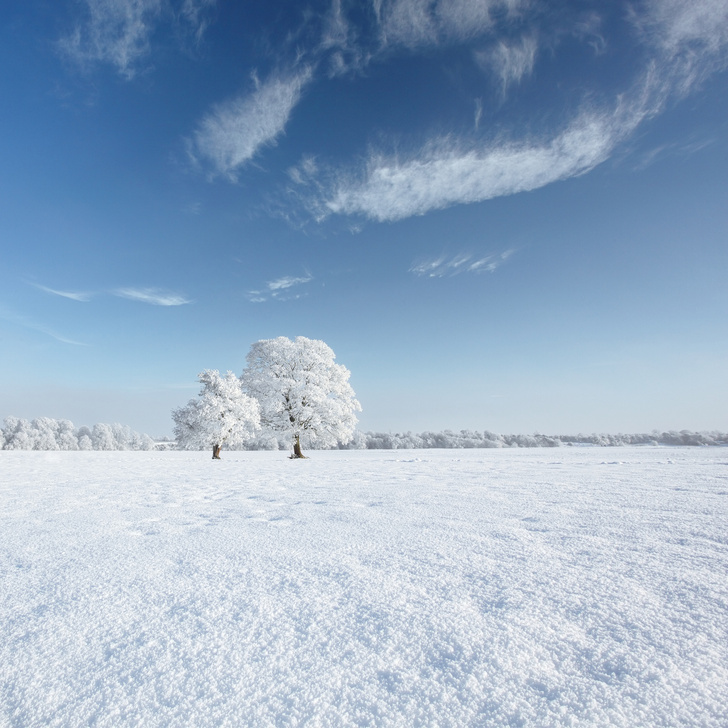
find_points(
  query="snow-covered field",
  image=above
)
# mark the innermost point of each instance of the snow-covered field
(546, 587)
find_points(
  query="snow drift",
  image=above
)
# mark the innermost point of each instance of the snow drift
(502, 587)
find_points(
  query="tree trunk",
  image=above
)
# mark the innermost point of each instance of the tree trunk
(297, 448)
(216, 452)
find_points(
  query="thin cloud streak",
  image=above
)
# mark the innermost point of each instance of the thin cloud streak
(287, 282)
(193, 11)
(278, 289)
(510, 62)
(446, 267)
(73, 295)
(234, 131)
(152, 296)
(26, 323)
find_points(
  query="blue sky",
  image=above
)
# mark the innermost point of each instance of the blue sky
(500, 214)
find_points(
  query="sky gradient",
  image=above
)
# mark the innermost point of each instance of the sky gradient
(500, 214)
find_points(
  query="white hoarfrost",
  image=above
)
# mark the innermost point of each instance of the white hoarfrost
(222, 414)
(45, 433)
(575, 587)
(301, 390)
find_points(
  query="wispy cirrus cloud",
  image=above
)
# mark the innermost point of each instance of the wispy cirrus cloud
(153, 296)
(690, 40)
(196, 14)
(446, 266)
(509, 61)
(233, 131)
(684, 43)
(118, 32)
(115, 32)
(73, 295)
(375, 29)
(340, 42)
(280, 289)
(413, 23)
(32, 325)
(671, 24)
(281, 284)
(445, 172)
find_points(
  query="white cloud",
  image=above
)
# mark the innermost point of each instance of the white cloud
(336, 28)
(673, 24)
(232, 133)
(478, 112)
(194, 12)
(118, 32)
(415, 23)
(115, 32)
(305, 171)
(588, 28)
(339, 40)
(510, 62)
(152, 296)
(408, 22)
(445, 267)
(73, 295)
(279, 289)
(691, 39)
(287, 282)
(443, 173)
(465, 19)
(685, 43)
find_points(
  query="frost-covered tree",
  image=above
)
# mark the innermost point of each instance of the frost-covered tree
(17, 434)
(302, 391)
(222, 414)
(102, 437)
(45, 433)
(66, 435)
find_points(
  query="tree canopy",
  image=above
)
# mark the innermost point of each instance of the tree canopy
(301, 391)
(222, 414)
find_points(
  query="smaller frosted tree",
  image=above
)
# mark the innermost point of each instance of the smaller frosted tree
(303, 393)
(222, 414)
(18, 434)
(102, 437)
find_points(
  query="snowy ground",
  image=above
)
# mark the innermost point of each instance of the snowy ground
(564, 587)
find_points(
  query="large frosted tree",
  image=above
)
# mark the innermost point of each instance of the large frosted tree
(222, 414)
(302, 391)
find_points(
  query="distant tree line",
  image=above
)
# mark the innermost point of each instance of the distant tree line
(463, 439)
(449, 439)
(45, 433)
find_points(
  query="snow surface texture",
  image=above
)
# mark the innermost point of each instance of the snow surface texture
(468, 588)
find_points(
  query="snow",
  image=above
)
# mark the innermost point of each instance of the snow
(565, 587)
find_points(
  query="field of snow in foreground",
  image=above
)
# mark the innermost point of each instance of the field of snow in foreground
(557, 587)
